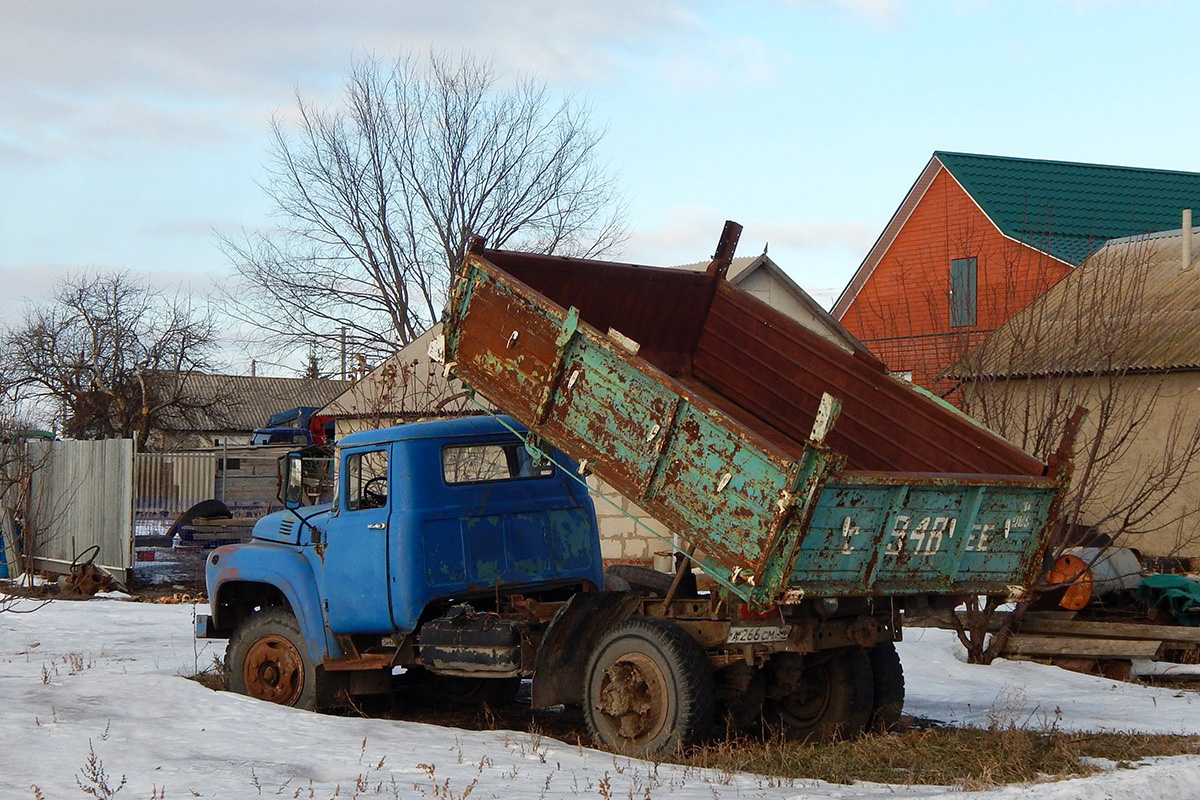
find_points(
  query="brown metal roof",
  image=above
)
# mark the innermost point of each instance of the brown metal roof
(1129, 307)
(246, 400)
(743, 267)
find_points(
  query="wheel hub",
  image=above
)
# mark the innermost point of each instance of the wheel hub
(806, 703)
(633, 698)
(274, 670)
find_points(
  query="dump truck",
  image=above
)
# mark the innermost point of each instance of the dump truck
(817, 496)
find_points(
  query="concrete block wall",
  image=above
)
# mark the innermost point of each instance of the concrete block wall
(622, 539)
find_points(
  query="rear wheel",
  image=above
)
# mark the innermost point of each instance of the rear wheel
(820, 699)
(648, 688)
(888, 678)
(266, 659)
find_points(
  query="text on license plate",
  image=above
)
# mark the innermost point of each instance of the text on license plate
(754, 634)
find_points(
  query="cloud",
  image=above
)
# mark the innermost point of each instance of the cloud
(877, 11)
(79, 75)
(856, 234)
(255, 48)
(689, 233)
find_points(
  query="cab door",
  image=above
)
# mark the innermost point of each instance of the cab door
(357, 542)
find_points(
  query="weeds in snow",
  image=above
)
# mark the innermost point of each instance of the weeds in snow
(74, 664)
(94, 780)
(442, 791)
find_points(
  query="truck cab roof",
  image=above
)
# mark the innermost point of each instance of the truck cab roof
(435, 429)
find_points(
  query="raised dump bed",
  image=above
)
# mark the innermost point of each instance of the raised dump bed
(705, 406)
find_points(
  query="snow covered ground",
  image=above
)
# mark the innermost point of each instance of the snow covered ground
(103, 677)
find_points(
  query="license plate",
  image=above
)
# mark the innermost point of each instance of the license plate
(756, 634)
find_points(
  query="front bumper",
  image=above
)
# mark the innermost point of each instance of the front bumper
(205, 628)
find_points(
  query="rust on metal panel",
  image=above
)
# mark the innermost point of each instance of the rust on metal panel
(706, 423)
(624, 297)
(726, 247)
(877, 478)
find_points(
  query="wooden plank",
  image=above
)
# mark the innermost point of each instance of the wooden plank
(1033, 645)
(237, 522)
(1110, 630)
(1060, 623)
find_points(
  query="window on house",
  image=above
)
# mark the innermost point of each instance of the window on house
(962, 292)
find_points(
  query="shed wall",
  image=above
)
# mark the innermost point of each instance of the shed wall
(1171, 403)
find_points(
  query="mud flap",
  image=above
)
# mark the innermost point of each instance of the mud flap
(569, 640)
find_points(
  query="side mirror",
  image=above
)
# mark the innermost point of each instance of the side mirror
(291, 484)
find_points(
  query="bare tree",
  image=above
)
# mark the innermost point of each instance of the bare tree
(1101, 339)
(110, 356)
(1090, 342)
(373, 198)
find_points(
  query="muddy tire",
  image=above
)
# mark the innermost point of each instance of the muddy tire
(648, 689)
(820, 699)
(266, 659)
(741, 691)
(639, 578)
(888, 679)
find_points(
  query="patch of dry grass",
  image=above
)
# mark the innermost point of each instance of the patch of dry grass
(969, 758)
(965, 757)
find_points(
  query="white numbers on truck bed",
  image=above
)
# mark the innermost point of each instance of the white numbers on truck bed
(849, 529)
(927, 536)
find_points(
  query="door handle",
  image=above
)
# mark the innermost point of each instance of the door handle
(377, 526)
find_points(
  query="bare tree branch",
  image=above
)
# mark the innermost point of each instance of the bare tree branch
(374, 196)
(111, 356)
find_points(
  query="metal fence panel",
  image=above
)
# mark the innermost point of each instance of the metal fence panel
(168, 484)
(82, 498)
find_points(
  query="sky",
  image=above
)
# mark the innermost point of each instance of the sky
(133, 133)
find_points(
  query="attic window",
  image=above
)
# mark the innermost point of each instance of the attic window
(962, 292)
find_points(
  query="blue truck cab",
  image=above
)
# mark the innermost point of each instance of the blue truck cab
(442, 551)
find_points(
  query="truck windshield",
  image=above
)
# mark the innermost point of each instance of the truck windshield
(481, 463)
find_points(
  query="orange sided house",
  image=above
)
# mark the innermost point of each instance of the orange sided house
(978, 237)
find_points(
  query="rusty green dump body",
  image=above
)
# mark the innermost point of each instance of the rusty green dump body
(703, 405)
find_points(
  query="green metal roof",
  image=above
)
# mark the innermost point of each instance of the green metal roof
(1067, 209)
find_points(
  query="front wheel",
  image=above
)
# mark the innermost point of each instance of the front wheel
(648, 689)
(266, 659)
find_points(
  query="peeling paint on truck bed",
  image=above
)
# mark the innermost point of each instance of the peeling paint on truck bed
(696, 401)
